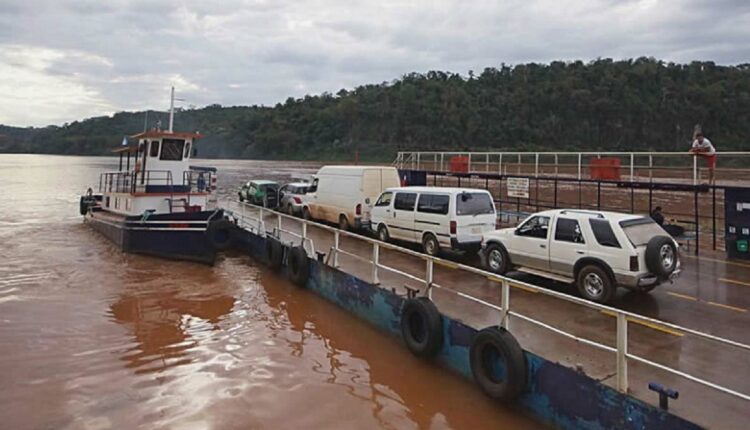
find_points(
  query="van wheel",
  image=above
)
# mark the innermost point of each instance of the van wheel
(430, 245)
(383, 235)
(306, 214)
(594, 284)
(343, 223)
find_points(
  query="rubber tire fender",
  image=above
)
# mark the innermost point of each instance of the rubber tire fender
(221, 234)
(509, 351)
(421, 327)
(274, 253)
(298, 265)
(653, 259)
(83, 205)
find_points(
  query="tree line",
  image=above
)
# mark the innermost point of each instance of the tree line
(603, 105)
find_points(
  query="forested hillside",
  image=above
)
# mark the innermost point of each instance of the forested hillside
(641, 104)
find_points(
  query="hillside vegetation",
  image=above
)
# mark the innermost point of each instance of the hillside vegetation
(641, 104)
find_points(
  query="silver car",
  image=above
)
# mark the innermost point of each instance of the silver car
(293, 197)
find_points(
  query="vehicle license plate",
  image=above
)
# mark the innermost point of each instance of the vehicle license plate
(476, 230)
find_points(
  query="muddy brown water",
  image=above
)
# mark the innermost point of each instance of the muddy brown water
(91, 338)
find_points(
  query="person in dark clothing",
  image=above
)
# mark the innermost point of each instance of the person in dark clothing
(674, 230)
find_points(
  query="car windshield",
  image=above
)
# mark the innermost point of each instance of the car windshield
(266, 187)
(639, 231)
(474, 204)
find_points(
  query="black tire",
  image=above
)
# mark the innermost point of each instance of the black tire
(221, 234)
(343, 223)
(306, 214)
(84, 204)
(242, 199)
(289, 209)
(661, 256)
(383, 235)
(430, 245)
(595, 284)
(299, 265)
(496, 258)
(491, 346)
(421, 327)
(274, 253)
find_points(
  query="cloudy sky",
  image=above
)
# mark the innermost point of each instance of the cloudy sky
(65, 60)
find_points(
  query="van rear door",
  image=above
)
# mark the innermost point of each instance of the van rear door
(475, 215)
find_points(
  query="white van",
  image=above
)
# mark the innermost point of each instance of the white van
(342, 194)
(452, 218)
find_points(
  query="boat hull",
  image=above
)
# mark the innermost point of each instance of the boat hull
(177, 236)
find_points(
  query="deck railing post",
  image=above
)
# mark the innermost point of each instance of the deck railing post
(500, 164)
(556, 165)
(375, 263)
(442, 161)
(695, 170)
(304, 230)
(651, 168)
(278, 222)
(622, 351)
(428, 278)
(418, 154)
(505, 304)
(632, 166)
(336, 238)
(487, 162)
(579, 165)
(536, 164)
(469, 155)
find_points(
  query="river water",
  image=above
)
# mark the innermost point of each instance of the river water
(91, 338)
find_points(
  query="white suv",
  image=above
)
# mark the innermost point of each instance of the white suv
(597, 251)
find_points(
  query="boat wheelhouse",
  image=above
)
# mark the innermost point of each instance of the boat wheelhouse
(156, 203)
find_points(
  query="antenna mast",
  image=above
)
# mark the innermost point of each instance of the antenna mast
(171, 111)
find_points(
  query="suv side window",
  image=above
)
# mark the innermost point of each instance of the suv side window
(384, 199)
(568, 230)
(603, 233)
(433, 203)
(537, 226)
(405, 201)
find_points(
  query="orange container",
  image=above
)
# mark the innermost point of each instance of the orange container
(605, 168)
(459, 164)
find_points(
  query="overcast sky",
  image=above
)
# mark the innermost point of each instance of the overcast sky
(63, 60)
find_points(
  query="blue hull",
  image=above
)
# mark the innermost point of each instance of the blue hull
(178, 236)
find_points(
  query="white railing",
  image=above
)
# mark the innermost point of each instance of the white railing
(555, 162)
(246, 216)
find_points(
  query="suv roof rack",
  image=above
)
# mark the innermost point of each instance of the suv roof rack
(578, 211)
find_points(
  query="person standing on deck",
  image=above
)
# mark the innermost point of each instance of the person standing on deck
(703, 147)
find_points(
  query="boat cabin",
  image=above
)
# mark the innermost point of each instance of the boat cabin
(155, 176)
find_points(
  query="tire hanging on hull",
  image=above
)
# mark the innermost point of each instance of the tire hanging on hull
(498, 364)
(421, 327)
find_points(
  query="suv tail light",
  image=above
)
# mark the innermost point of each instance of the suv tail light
(358, 210)
(453, 227)
(634, 263)
(297, 200)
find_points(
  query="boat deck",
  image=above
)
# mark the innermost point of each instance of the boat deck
(710, 296)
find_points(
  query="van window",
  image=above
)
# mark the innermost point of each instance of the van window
(171, 149)
(603, 233)
(568, 230)
(384, 200)
(433, 203)
(474, 204)
(405, 201)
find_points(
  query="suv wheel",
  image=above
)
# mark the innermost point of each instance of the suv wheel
(306, 214)
(383, 235)
(430, 245)
(496, 258)
(594, 284)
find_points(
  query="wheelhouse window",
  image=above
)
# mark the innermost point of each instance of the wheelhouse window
(154, 148)
(171, 149)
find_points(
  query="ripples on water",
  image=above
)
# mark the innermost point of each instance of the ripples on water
(92, 338)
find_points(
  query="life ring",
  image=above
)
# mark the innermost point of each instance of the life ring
(221, 234)
(421, 327)
(298, 265)
(274, 253)
(498, 364)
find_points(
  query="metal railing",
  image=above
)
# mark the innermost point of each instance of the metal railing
(245, 216)
(572, 164)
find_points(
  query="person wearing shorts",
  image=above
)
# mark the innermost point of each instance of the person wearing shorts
(703, 147)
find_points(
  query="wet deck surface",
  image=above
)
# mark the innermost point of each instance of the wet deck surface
(712, 295)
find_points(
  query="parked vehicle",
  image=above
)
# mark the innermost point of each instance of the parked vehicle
(260, 192)
(292, 197)
(342, 194)
(596, 251)
(437, 218)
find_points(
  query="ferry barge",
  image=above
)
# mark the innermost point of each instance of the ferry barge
(162, 205)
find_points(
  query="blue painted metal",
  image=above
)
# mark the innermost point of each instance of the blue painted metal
(555, 394)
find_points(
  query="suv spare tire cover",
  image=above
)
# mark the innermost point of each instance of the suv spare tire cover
(654, 259)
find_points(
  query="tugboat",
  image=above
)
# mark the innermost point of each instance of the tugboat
(161, 205)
